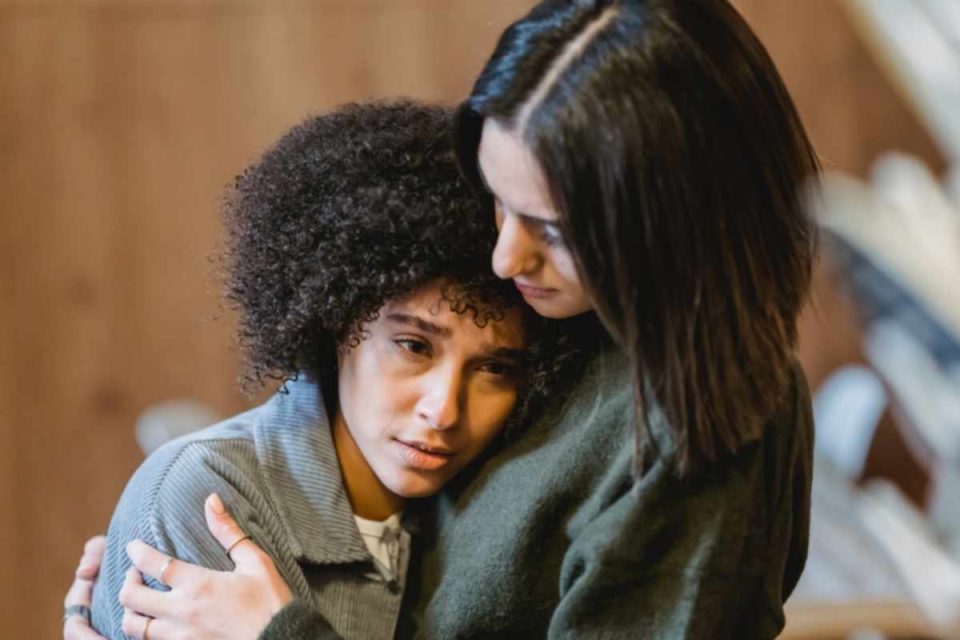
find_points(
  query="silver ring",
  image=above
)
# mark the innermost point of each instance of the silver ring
(76, 610)
(163, 572)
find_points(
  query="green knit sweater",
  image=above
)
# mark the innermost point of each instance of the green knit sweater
(557, 537)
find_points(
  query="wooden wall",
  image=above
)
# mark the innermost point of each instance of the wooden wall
(121, 120)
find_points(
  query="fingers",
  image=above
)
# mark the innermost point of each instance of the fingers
(80, 592)
(137, 625)
(133, 624)
(159, 566)
(92, 558)
(76, 628)
(139, 597)
(227, 532)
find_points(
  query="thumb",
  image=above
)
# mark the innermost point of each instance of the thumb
(227, 532)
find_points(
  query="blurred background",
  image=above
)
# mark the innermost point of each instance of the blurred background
(122, 120)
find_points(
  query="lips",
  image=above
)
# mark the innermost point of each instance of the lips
(427, 448)
(529, 291)
(421, 455)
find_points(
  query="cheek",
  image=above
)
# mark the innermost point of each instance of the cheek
(491, 414)
(348, 371)
(498, 217)
(563, 265)
(372, 392)
(387, 401)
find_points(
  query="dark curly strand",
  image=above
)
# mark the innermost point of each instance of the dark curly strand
(349, 210)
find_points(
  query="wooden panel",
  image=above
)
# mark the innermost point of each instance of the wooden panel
(121, 120)
(848, 105)
(119, 125)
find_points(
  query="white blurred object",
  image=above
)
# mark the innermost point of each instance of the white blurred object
(943, 510)
(924, 259)
(951, 184)
(946, 13)
(844, 564)
(931, 575)
(847, 409)
(899, 237)
(916, 41)
(171, 419)
(929, 399)
(926, 210)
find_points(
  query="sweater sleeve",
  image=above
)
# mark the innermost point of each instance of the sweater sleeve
(714, 556)
(650, 567)
(298, 621)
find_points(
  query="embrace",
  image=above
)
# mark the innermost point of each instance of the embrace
(606, 434)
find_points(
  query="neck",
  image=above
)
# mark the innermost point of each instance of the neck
(369, 498)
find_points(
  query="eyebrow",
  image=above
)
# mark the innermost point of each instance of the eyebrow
(506, 353)
(534, 220)
(418, 322)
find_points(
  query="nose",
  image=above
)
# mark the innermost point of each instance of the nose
(439, 405)
(516, 252)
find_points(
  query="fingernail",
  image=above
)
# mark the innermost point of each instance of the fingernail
(216, 504)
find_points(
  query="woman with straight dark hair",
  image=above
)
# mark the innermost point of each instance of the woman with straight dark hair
(644, 162)
(672, 156)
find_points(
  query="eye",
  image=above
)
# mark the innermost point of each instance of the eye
(551, 236)
(413, 346)
(500, 369)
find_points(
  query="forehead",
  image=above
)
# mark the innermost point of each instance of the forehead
(428, 303)
(512, 172)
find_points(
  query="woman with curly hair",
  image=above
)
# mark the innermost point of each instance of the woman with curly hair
(642, 160)
(357, 258)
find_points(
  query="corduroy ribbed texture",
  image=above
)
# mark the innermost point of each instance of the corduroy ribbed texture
(276, 469)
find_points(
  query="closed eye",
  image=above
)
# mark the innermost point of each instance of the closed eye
(546, 229)
(551, 236)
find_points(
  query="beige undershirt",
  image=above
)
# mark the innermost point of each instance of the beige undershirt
(382, 538)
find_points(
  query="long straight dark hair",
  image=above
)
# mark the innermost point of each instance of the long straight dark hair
(677, 163)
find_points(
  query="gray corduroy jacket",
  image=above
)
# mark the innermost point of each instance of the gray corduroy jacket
(277, 471)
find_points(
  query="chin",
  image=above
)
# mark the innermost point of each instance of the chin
(417, 487)
(552, 310)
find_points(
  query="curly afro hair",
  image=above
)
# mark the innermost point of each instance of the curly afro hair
(347, 211)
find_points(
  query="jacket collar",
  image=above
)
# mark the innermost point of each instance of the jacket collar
(295, 448)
